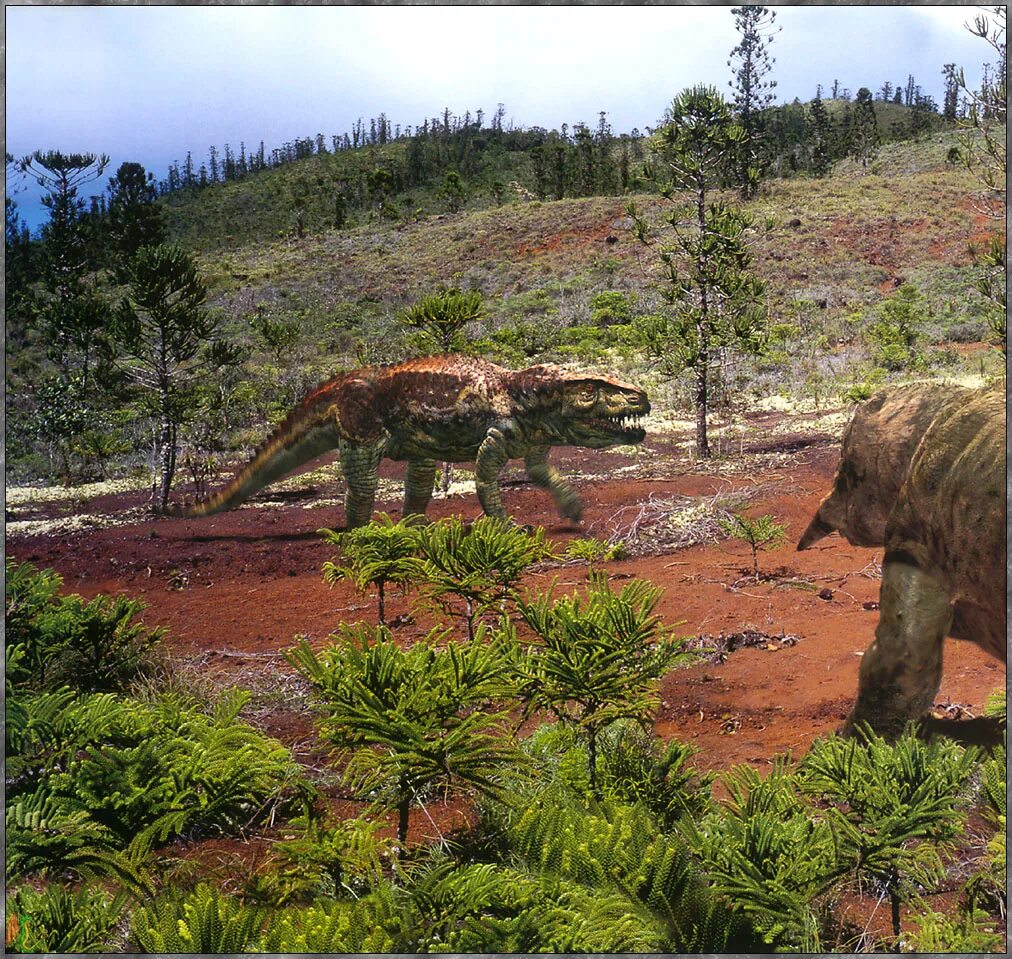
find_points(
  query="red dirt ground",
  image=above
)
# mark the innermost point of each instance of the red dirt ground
(251, 582)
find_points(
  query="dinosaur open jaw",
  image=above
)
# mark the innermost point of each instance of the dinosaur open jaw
(624, 429)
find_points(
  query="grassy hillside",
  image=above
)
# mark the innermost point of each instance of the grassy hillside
(842, 245)
(495, 166)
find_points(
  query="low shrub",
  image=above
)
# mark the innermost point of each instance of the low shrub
(896, 334)
(967, 331)
(56, 920)
(67, 641)
(591, 550)
(204, 921)
(610, 307)
(101, 774)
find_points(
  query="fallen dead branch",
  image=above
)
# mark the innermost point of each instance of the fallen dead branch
(663, 524)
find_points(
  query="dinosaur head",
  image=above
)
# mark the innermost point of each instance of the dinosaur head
(875, 457)
(588, 409)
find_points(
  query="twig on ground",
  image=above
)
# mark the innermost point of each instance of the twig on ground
(663, 524)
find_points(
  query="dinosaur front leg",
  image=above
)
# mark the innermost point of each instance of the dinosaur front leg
(901, 670)
(543, 474)
(418, 483)
(361, 472)
(492, 457)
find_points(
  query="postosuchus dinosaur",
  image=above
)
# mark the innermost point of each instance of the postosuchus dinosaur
(443, 408)
(922, 473)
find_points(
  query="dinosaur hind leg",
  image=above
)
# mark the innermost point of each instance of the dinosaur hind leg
(418, 483)
(542, 474)
(901, 670)
(492, 457)
(361, 472)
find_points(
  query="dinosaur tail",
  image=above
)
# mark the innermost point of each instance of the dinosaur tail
(298, 440)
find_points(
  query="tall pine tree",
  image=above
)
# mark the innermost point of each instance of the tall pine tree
(864, 136)
(820, 135)
(69, 314)
(161, 329)
(752, 93)
(718, 304)
(135, 220)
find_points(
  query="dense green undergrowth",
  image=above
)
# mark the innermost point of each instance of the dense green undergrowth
(585, 834)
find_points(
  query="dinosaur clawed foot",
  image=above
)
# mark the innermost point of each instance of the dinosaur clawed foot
(571, 509)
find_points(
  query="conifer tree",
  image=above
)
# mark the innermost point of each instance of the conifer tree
(820, 136)
(440, 320)
(984, 150)
(70, 309)
(160, 329)
(909, 90)
(452, 192)
(950, 99)
(585, 151)
(135, 220)
(598, 658)
(864, 136)
(19, 265)
(61, 175)
(717, 302)
(752, 93)
(410, 721)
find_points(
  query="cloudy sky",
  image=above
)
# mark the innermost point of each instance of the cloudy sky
(149, 83)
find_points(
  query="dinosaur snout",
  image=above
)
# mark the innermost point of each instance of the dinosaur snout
(816, 530)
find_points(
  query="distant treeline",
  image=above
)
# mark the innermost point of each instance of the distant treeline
(449, 140)
(580, 160)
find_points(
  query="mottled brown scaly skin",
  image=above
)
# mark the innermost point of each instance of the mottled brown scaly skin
(922, 473)
(443, 408)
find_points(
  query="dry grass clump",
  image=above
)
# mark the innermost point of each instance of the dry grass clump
(664, 524)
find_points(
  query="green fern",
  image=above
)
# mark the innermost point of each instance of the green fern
(65, 640)
(114, 776)
(600, 921)
(995, 704)
(934, 932)
(202, 922)
(994, 783)
(485, 907)
(34, 727)
(49, 835)
(634, 767)
(56, 920)
(27, 592)
(987, 885)
(366, 925)
(620, 849)
(347, 857)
